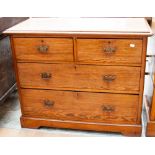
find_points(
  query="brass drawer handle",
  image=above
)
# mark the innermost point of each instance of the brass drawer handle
(48, 103)
(46, 75)
(108, 108)
(109, 78)
(109, 50)
(42, 48)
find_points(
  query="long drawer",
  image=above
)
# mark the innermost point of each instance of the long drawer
(44, 49)
(79, 77)
(107, 51)
(80, 106)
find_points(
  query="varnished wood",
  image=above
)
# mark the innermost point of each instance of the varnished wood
(152, 112)
(150, 93)
(150, 126)
(16, 72)
(79, 77)
(59, 49)
(126, 51)
(125, 129)
(150, 129)
(80, 106)
(149, 108)
(71, 35)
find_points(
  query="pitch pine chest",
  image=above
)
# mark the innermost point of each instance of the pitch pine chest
(81, 73)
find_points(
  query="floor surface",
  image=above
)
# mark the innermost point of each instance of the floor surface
(10, 124)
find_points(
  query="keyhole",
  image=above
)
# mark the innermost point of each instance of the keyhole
(75, 67)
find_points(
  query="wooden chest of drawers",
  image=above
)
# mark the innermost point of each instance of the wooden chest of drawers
(81, 73)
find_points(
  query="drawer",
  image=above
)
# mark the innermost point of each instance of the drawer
(108, 51)
(79, 77)
(80, 106)
(43, 49)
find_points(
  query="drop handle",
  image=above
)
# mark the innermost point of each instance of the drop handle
(46, 75)
(48, 103)
(109, 78)
(108, 108)
(109, 50)
(42, 48)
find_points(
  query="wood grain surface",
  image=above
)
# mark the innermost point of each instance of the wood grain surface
(81, 73)
(79, 77)
(126, 51)
(59, 49)
(80, 106)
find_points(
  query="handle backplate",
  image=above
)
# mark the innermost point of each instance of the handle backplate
(109, 78)
(42, 48)
(109, 50)
(46, 76)
(108, 108)
(48, 103)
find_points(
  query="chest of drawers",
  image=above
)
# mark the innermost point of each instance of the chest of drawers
(81, 73)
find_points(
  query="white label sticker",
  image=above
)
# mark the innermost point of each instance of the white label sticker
(132, 45)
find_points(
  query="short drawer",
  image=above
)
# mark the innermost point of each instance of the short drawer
(108, 51)
(43, 49)
(80, 106)
(79, 77)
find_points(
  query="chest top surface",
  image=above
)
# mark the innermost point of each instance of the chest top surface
(122, 26)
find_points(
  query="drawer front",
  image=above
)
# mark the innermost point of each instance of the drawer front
(107, 51)
(79, 77)
(80, 106)
(43, 49)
